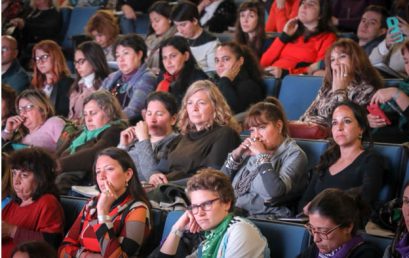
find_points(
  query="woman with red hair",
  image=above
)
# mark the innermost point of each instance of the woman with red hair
(51, 74)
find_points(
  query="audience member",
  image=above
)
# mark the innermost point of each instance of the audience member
(117, 222)
(132, 11)
(51, 75)
(34, 249)
(35, 123)
(268, 169)
(8, 100)
(334, 219)
(91, 66)
(179, 67)
(209, 133)
(35, 212)
(150, 140)
(161, 28)
(281, 11)
(395, 102)
(239, 76)
(185, 16)
(372, 28)
(303, 42)
(346, 163)
(217, 15)
(134, 80)
(250, 27)
(212, 199)
(12, 72)
(102, 127)
(348, 76)
(10, 9)
(103, 28)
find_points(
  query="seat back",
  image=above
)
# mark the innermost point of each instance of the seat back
(285, 240)
(297, 93)
(171, 219)
(65, 12)
(391, 82)
(313, 149)
(72, 207)
(378, 241)
(271, 85)
(406, 175)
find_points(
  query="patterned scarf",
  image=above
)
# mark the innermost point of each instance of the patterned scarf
(214, 238)
(345, 249)
(246, 177)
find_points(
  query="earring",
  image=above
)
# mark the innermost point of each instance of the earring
(360, 137)
(126, 184)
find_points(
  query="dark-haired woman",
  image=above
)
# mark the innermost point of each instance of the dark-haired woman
(161, 28)
(239, 76)
(91, 66)
(35, 212)
(179, 66)
(116, 223)
(347, 164)
(303, 42)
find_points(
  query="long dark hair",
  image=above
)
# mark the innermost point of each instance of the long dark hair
(333, 153)
(161, 7)
(94, 54)
(242, 37)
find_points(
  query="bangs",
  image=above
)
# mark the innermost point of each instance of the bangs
(256, 119)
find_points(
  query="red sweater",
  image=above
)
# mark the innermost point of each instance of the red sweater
(277, 18)
(44, 216)
(289, 55)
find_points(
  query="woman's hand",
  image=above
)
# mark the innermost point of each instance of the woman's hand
(233, 71)
(106, 198)
(127, 137)
(141, 131)
(14, 122)
(187, 222)
(158, 179)
(376, 121)
(340, 77)
(17, 22)
(391, 38)
(305, 209)
(384, 95)
(275, 71)
(403, 26)
(8, 230)
(129, 13)
(203, 4)
(256, 147)
(291, 26)
(242, 150)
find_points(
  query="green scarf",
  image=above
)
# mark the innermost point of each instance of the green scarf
(214, 238)
(86, 136)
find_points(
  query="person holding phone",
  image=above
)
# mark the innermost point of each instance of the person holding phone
(226, 235)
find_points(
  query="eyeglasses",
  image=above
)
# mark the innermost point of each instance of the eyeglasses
(205, 206)
(80, 61)
(321, 234)
(41, 59)
(25, 109)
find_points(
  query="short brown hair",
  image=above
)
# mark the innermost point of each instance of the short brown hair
(103, 22)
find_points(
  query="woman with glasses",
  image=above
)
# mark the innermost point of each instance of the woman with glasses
(35, 123)
(91, 66)
(334, 219)
(51, 74)
(212, 201)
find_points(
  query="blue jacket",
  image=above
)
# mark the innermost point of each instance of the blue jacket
(16, 77)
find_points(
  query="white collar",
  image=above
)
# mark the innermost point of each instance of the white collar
(88, 80)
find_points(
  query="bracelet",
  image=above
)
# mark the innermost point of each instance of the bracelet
(104, 219)
(263, 158)
(395, 97)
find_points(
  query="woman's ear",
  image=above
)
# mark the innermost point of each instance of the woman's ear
(128, 174)
(173, 120)
(279, 125)
(186, 55)
(241, 61)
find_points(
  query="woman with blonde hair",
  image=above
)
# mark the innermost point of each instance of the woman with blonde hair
(209, 133)
(51, 74)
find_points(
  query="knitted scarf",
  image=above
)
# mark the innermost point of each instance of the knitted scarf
(86, 136)
(214, 238)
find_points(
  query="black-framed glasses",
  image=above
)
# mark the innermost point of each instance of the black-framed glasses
(25, 109)
(322, 234)
(80, 61)
(41, 58)
(205, 206)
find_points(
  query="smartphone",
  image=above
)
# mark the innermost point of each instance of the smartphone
(375, 110)
(393, 23)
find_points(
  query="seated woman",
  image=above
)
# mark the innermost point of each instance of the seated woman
(115, 223)
(179, 67)
(303, 42)
(268, 169)
(334, 219)
(35, 124)
(103, 123)
(348, 76)
(209, 133)
(51, 75)
(104, 29)
(150, 140)
(250, 27)
(161, 28)
(212, 199)
(280, 12)
(217, 16)
(34, 249)
(346, 164)
(92, 69)
(395, 102)
(35, 212)
(134, 80)
(239, 76)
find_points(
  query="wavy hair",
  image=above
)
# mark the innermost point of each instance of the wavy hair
(104, 22)
(38, 99)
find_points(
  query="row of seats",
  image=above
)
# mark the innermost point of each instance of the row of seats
(297, 92)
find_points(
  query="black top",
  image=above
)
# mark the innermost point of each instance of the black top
(223, 17)
(364, 250)
(60, 95)
(42, 24)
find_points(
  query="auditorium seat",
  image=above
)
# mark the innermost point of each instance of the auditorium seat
(380, 242)
(171, 219)
(72, 207)
(313, 149)
(272, 86)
